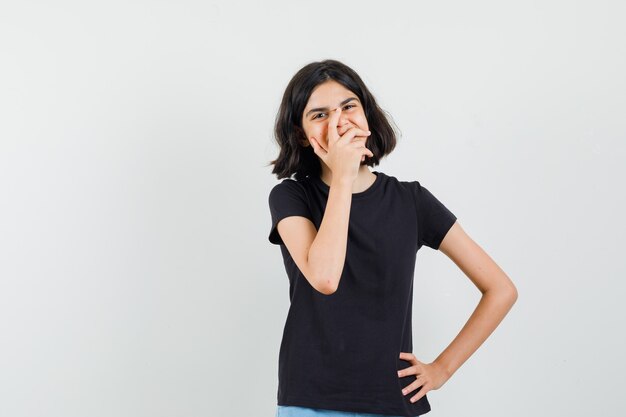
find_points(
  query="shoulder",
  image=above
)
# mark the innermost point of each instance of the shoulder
(408, 186)
(285, 184)
(289, 190)
(288, 185)
(414, 188)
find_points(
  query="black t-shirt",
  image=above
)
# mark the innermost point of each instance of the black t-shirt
(341, 351)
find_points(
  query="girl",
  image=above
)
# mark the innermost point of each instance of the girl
(349, 239)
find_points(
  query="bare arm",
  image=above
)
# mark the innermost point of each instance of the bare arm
(327, 254)
(498, 296)
(320, 254)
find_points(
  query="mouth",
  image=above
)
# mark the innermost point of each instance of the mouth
(346, 129)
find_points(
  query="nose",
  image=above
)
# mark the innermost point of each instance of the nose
(343, 122)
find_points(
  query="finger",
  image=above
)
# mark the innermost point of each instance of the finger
(317, 148)
(407, 356)
(419, 394)
(360, 141)
(333, 120)
(365, 151)
(412, 386)
(405, 372)
(363, 138)
(362, 149)
(320, 144)
(321, 149)
(343, 129)
(355, 131)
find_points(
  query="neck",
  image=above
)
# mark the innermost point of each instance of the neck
(363, 181)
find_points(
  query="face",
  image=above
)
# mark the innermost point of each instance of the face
(324, 99)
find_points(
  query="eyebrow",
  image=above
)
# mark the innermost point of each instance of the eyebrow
(326, 108)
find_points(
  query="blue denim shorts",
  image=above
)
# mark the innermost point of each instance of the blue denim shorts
(294, 411)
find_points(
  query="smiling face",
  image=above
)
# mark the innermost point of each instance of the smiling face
(324, 99)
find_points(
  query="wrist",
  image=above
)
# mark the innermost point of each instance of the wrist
(443, 368)
(341, 183)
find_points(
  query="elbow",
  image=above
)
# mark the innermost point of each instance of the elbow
(511, 294)
(507, 295)
(505, 290)
(326, 286)
(323, 282)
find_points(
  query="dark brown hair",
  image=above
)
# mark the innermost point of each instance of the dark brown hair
(294, 158)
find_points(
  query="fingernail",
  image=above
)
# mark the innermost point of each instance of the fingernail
(399, 373)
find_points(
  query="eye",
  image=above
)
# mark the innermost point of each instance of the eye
(348, 106)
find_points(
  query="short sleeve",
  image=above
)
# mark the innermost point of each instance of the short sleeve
(287, 198)
(434, 219)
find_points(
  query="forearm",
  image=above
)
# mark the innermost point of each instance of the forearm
(492, 308)
(327, 253)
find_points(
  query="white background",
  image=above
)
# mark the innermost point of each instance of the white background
(136, 278)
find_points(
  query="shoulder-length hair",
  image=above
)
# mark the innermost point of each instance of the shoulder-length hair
(294, 158)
